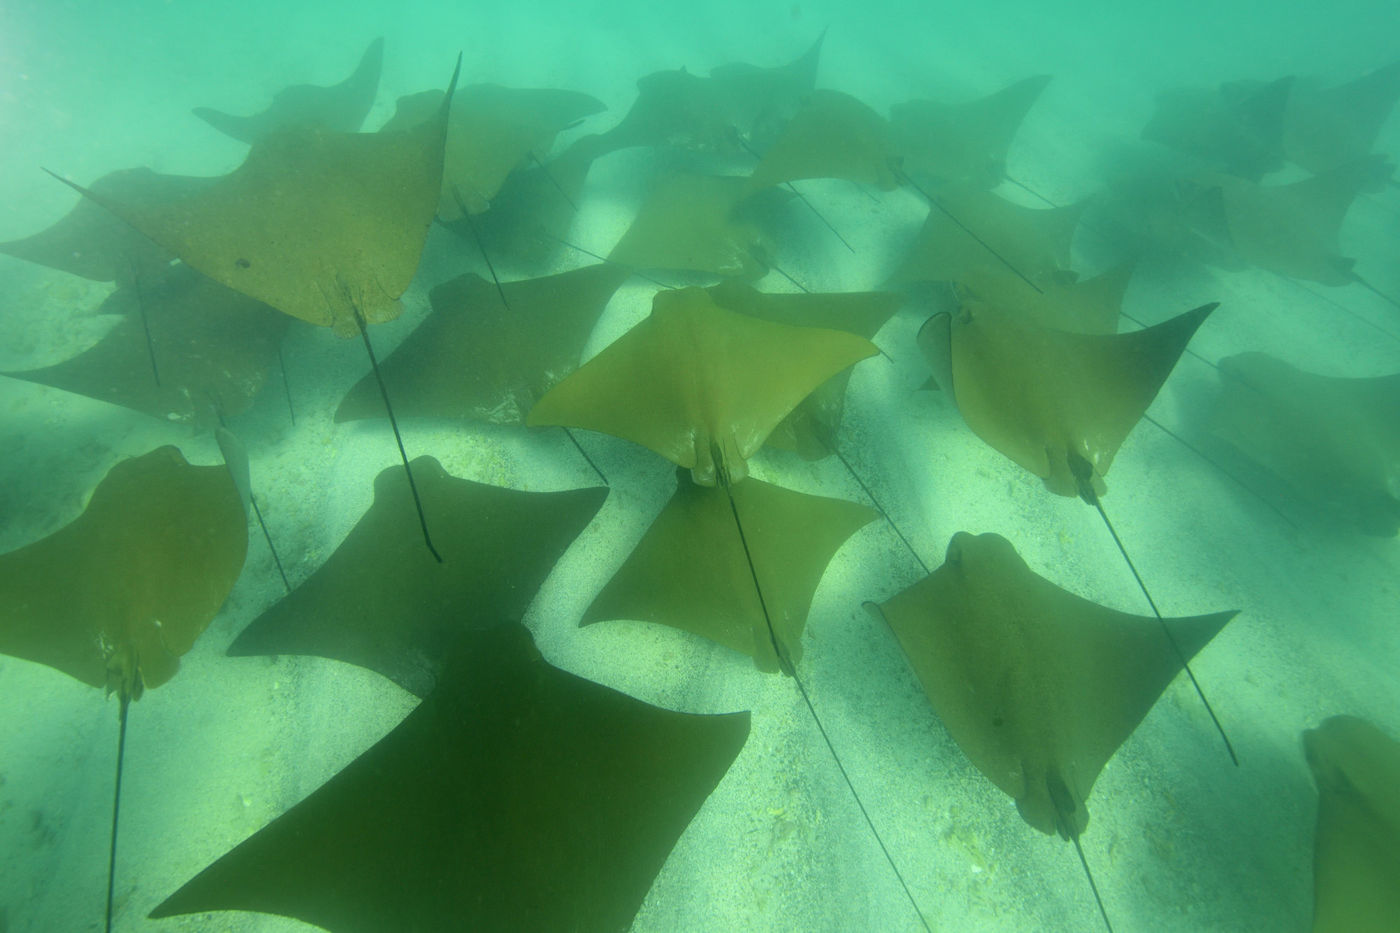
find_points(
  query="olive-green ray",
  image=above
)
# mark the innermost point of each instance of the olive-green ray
(1047, 398)
(694, 223)
(1333, 440)
(972, 235)
(515, 797)
(699, 385)
(810, 429)
(690, 570)
(1328, 127)
(1356, 854)
(1236, 128)
(1082, 306)
(964, 143)
(1038, 686)
(1292, 229)
(340, 108)
(94, 243)
(212, 348)
(381, 601)
(737, 106)
(474, 357)
(492, 131)
(832, 136)
(318, 224)
(114, 598)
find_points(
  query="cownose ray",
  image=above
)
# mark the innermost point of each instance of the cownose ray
(1060, 404)
(810, 429)
(966, 143)
(738, 106)
(381, 603)
(698, 384)
(516, 796)
(1237, 128)
(1054, 402)
(1356, 849)
(703, 387)
(185, 349)
(327, 227)
(531, 215)
(1081, 306)
(480, 358)
(1328, 127)
(974, 235)
(322, 225)
(699, 223)
(1292, 229)
(114, 598)
(492, 131)
(690, 570)
(340, 108)
(92, 242)
(1332, 439)
(834, 135)
(1038, 686)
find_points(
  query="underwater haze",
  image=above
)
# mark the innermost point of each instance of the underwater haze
(1230, 154)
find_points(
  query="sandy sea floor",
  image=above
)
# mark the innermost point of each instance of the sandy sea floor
(1179, 839)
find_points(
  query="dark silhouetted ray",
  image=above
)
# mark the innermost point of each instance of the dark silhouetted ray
(474, 357)
(212, 348)
(1236, 128)
(383, 603)
(515, 797)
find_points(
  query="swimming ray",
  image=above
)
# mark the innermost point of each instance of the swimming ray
(1329, 127)
(690, 570)
(1292, 229)
(699, 385)
(832, 136)
(318, 224)
(515, 797)
(1038, 686)
(475, 357)
(92, 242)
(1237, 128)
(117, 596)
(737, 105)
(340, 108)
(211, 348)
(492, 131)
(381, 603)
(963, 144)
(810, 429)
(972, 235)
(1332, 440)
(1051, 400)
(1356, 852)
(696, 223)
(1082, 306)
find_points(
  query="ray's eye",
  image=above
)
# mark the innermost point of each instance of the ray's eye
(242, 263)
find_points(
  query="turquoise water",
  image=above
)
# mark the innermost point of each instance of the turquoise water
(1179, 840)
